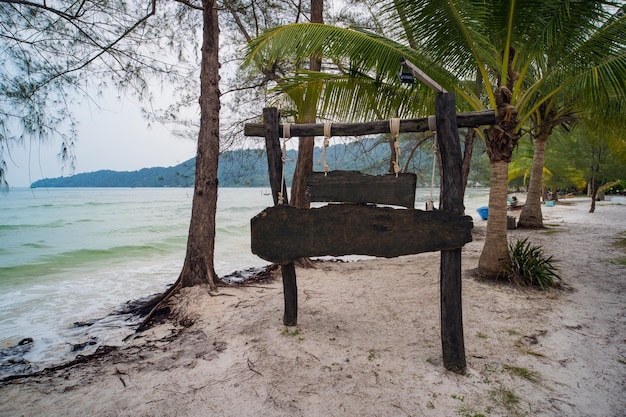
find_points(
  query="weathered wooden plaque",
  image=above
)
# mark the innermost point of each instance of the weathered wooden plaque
(283, 233)
(356, 187)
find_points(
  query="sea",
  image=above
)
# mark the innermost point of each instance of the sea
(72, 257)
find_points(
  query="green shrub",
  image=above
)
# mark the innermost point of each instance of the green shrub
(530, 267)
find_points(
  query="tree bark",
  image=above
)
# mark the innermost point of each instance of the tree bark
(304, 165)
(501, 140)
(495, 254)
(198, 268)
(531, 216)
(306, 145)
(199, 263)
(594, 194)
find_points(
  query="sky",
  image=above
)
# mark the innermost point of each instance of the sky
(116, 137)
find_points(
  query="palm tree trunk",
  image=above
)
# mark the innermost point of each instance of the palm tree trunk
(594, 194)
(531, 216)
(495, 254)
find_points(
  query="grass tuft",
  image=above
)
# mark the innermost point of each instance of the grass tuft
(532, 376)
(287, 332)
(506, 399)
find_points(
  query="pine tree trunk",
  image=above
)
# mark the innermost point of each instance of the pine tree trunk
(306, 145)
(198, 268)
(304, 165)
(531, 216)
(495, 254)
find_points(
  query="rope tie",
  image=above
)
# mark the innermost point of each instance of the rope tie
(287, 130)
(432, 123)
(327, 136)
(430, 205)
(284, 159)
(394, 128)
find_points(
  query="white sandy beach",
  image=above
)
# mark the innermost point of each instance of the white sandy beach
(368, 342)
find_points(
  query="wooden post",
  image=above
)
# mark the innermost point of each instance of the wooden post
(452, 342)
(274, 153)
(275, 168)
(290, 291)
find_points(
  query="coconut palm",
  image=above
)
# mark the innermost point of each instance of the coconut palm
(566, 88)
(515, 57)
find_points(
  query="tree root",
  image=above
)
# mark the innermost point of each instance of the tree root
(80, 359)
(305, 263)
(157, 304)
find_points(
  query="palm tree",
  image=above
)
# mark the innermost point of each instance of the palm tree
(498, 54)
(565, 87)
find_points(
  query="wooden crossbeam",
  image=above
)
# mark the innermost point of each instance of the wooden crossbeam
(356, 187)
(283, 233)
(471, 119)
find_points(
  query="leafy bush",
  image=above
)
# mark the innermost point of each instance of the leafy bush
(530, 267)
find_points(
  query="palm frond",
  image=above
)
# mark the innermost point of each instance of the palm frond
(452, 33)
(361, 52)
(358, 97)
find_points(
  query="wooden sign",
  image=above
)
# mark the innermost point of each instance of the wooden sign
(356, 187)
(283, 233)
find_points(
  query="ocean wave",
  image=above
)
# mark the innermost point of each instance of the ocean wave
(51, 264)
(29, 226)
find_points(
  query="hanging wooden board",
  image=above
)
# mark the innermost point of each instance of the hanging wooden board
(356, 187)
(283, 233)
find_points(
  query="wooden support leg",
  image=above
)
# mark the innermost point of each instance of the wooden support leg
(275, 166)
(452, 342)
(452, 199)
(290, 318)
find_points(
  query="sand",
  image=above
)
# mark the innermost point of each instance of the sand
(368, 342)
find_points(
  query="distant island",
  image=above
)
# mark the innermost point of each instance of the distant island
(248, 168)
(240, 168)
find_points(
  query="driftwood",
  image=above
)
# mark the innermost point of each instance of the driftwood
(283, 233)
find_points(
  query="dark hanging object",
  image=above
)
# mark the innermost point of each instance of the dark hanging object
(406, 76)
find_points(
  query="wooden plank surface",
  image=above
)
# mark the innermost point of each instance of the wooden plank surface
(470, 119)
(451, 305)
(356, 187)
(283, 233)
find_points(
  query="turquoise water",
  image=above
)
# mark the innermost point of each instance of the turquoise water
(74, 254)
(70, 255)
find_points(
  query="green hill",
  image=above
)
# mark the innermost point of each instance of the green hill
(248, 168)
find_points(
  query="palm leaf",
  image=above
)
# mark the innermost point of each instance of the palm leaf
(357, 97)
(356, 51)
